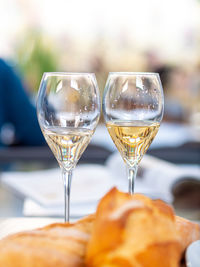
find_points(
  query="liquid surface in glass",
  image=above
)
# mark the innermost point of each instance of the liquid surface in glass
(132, 138)
(67, 144)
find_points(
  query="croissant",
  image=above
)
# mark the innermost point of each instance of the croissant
(54, 245)
(135, 231)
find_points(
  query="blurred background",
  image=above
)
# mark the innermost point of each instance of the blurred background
(39, 36)
(102, 36)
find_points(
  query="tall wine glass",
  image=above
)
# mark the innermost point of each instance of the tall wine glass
(133, 109)
(68, 109)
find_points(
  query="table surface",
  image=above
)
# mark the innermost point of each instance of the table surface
(13, 225)
(11, 205)
(23, 158)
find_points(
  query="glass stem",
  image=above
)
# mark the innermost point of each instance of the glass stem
(132, 172)
(67, 178)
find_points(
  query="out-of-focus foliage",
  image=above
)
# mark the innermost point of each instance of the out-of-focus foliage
(36, 54)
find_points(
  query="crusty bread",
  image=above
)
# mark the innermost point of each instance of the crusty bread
(126, 231)
(187, 231)
(54, 245)
(135, 231)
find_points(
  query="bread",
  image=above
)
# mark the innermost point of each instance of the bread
(135, 231)
(188, 232)
(126, 231)
(54, 245)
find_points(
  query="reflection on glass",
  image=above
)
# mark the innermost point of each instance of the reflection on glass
(133, 110)
(68, 110)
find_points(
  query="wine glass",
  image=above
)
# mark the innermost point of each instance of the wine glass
(68, 109)
(133, 109)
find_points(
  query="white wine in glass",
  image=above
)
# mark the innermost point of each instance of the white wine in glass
(68, 109)
(133, 109)
(67, 145)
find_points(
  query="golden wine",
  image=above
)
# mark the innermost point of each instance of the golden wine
(67, 144)
(132, 138)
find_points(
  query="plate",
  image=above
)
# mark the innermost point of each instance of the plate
(89, 183)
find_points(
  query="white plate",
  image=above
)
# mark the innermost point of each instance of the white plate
(89, 183)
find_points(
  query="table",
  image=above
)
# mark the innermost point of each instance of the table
(26, 158)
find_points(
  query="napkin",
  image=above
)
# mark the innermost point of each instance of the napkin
(158, 176)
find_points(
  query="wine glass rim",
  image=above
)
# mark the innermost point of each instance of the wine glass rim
(65, 73)
(133, 73)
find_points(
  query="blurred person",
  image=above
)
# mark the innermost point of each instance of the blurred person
(194, 84)
(98, 66)
(195, 100)
(174, 109)
(153, 60)
(18, 119)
